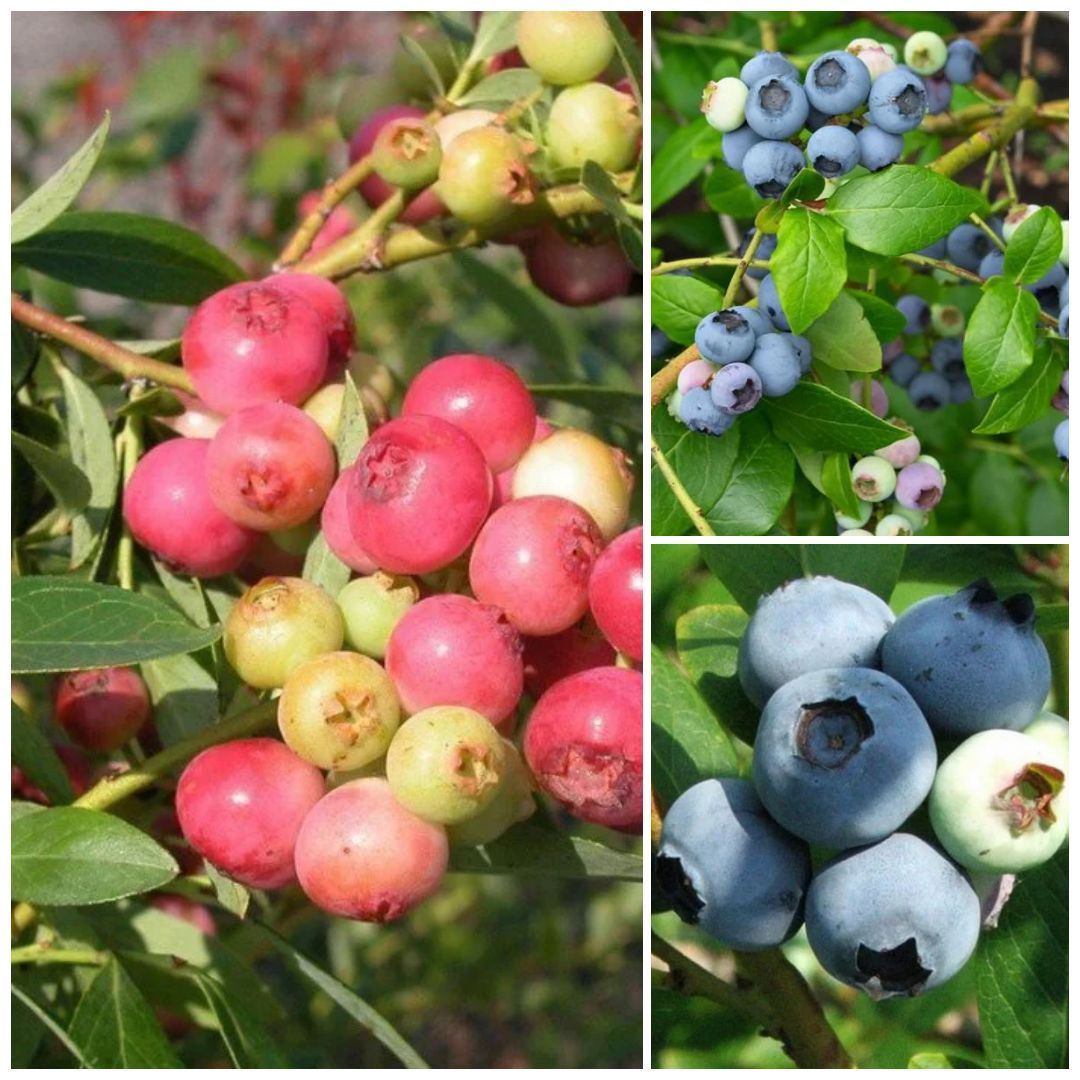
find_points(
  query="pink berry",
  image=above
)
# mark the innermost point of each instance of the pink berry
(483, 397)
(270, 467)
(182, 907)
(533, 559)
(362, 855)
(879, 399)
(450, 650)
(332, 307)
(420, 492)
(75, 764)
(196, 421)
(103, 708)
(696, 373)
(241, 805)
(167, 507)
(252, 343)
(616, 593)
(504, 481)
(339, 223)
(549, 659)
(584, 746)
(336, 531)
(576, 274)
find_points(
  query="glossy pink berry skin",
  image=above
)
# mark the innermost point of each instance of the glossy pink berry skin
(533, 559)
(168, 508)
(584, 746)
(252, 343)
(337, 532)
(576, 275)
(270, 467)
(483, 397)
(419, 494)
(362, 855)
(549, 659)
(617, 593)
(103, 708)
(504, 481)
(241, 805)
(330, 304)
(451, 650)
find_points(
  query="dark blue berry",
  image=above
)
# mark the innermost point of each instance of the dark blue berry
(916, 311)
(833, 151)
(947, 357)
(928, 391)
(967, 245)
(903, 369)
(770, 166)
(964, 62)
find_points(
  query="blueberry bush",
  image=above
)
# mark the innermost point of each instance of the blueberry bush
(860, 274)
(327, 593)
(860, 784)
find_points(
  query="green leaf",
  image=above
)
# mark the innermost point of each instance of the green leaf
(815, 417)
(248, 1042)
(809, 265)
(929, 1060)
(231, 894)
(903, 208)
(167, 86)
(25, 350)
(61, 624)
(54, 1027)
(1034, 247)
(609, 403)
(680, 302)
(33, 753)
(873, 566)
(727, 192)
(998, 495)
(888, 323)
(1025, 400)
(750, 572)
(627, 51)
(843, 337)
(65, 480)
(52, 198)
(999, 343)
(69, 856)
(495, 33)
(1052, 617)
(682, 159)
(184, 696)
(688, 744)
(427, 65)
(501, 89)
(130, 255)
(836, 482)
(280, 159)
(116, 1027)
(1023, 974)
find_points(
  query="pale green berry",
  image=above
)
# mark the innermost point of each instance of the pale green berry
(925, 52)
(724, 104)
(893, 525)
(873, 479)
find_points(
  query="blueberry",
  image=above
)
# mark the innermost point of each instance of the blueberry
(843, 757)
(960, 390)
(736, 388)
(947, 357)
(815, 119)
(1063, 321)
(919, 486)
(916, 311)
(765, 64)
(727, 867)
(972, 662)
(775, 360)
(734, 145)
(723, 104)
(964, 62)
(661, 343)
(998, 804)
(769, 302)
(873, 479)
(758, 320)
(724, 337)
(893, 919)
(928, 390)
(938, 94)
(936, 250)
(770, 166)
(1047, 289)
(1061, 440)
(777, 107)
(1064, 291)
(833, 151)
(1060, 400)
(698, 413)
(788, 635)
(903, 369)
(897, 101)
(837, 82)
(764, 251)
(993, 263)
(802, 350)
(878, 148)
(967, 245)
(893, 525)
(925, 52)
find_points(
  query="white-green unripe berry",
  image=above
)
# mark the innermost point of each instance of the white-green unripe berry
(917, 519)
(724, 104)
(673, 402)
(926, 459)
(1051, 729)
(846, 521)
(1064, 256)
(1016, 217)
(877, 62)
(856, 532)
(947, 319)
(873, 479)
(925, 52)
(893, 525)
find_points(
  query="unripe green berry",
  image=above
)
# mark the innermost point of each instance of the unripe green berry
(324, 407)
(873, 479)
(893, 525)
(407, 154)
(513, 802)
(947, 319)
(594, 122)
(372, 607)
(278, 624)
(565, 47)
(847, 522)
(724, 104)
(484, 177)
(297, 539)
(917, 519)
(925, 52)
(1051, 729)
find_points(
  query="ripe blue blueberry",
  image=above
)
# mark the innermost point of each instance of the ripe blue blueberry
(837, 82)
(936, 250)
(727, 867)
(843, 757)
(1047, 289)
(878, 148)
(802, 350)
(993, 264)
(972, 662)
(758, 320)
(776, 106)
(734, 145)
(736, 388)
(904, 369)
(960, 390)
(770, 166)
(698, 413)
(1061, 440)
(947, 357)
(1063, 321)
(769, 302)
(939, 93)
(893, 919)
(916, 311)
(724, 337)
(928, 391)
(776, 362)
(967, 245)
(764, 252)
(788, 635)
(833, 151)
(897, 101)
(764, 64)
(964, 62)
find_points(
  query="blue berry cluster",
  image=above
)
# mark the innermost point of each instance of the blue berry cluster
(853, 705)
(856, 103)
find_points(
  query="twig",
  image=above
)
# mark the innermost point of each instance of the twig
(680, 492)
(665, 380)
